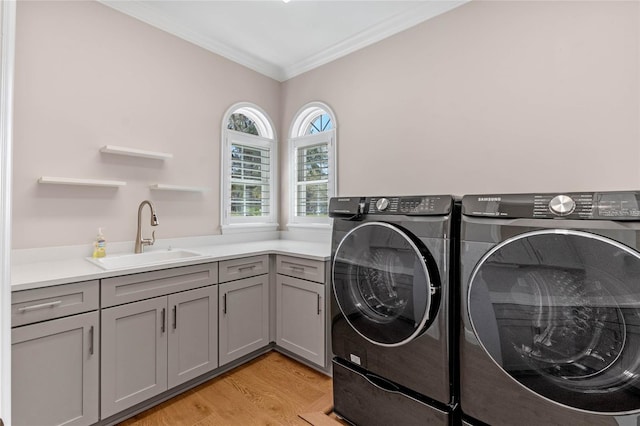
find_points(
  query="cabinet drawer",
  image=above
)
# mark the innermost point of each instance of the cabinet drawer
(312, 270)
(245, 267)
(363, 398)
(41, 304)
(131, 288)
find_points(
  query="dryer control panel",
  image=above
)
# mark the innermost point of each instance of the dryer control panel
(623, 205)
(420, 205)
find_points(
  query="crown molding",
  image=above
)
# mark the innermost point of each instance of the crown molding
(423, 11)
(403, 21)
(149, 15)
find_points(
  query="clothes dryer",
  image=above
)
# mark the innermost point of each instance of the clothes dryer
(392, 309)
(550, 309)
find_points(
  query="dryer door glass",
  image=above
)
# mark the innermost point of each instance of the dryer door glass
(385, 283)
(559, 311)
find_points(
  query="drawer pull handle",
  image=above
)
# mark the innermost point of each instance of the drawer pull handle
(297, 268)
(91, 338)
(381, 383)
(244, 268)
(40, 306)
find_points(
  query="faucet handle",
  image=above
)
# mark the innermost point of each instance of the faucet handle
(149, 241)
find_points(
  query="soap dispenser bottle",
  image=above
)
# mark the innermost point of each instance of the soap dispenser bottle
(100, 245)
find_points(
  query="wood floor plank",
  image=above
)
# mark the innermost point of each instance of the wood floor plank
(318, 418)
(280, 387)
(271, 390)
(324, 404)
(183, 409)
(270, 398)
(232, 406)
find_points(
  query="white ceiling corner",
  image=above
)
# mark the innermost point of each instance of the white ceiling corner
(282, 40)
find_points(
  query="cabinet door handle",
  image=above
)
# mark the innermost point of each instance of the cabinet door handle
(319, 308)
(175, 317)
(164, 314)
(40, 306)
(224, 303)
(91, 338)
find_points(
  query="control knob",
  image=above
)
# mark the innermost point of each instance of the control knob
(562, 205)
(382, 204)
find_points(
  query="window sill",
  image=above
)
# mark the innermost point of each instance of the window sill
(310, 226)
(239, 228)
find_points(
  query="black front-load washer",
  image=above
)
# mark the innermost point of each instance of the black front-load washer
(392, 307)
(550, 308)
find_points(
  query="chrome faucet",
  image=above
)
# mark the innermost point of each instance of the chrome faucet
(141, 242)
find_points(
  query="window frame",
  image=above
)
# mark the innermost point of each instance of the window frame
(299, 140)
(235, 224)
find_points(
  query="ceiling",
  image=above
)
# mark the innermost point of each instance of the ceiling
(278, 39)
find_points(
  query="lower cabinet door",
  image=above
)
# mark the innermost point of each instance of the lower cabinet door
(54, 371)
(244, 317)
(134, 354)
(193, 334)
(300, 318)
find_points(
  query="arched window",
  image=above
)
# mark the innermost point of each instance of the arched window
(321, 123)
(312, 150)
(248, 169)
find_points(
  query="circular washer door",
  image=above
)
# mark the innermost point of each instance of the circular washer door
(559, 311)
(386, 283)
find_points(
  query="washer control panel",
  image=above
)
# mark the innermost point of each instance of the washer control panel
(623, 205)
(422, 205)
(562, 205)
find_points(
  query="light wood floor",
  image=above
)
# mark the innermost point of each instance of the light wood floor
(270, 390)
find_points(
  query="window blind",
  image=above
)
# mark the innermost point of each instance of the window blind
(312, 171)
(250, 180)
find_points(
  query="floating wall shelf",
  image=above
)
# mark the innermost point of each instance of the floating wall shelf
(82, 182)
(164, 187)
(132, 152)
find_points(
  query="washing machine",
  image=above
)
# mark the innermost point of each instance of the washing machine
(550, 309)
(392, 309)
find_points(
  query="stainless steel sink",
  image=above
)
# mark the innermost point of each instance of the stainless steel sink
(125, 261)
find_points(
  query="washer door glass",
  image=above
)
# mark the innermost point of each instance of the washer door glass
(385, 282)
(559, 311)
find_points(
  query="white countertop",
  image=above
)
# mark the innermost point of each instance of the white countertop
(34, 274)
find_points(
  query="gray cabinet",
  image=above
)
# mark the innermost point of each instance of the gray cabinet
(134, 354)
(301, 308)
(55, 363)
(87, 351)
(244, 310)
(193, 334)
(151, 345)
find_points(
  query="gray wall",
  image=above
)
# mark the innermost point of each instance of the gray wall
(494, 96)
(88, 76)
(491, 97)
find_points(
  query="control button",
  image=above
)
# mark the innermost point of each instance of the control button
(382, 204)
(562, 205)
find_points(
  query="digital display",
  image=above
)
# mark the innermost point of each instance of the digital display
(618, 204)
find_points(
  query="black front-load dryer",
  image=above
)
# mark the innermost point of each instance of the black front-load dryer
(550, 309)
(392, 308)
